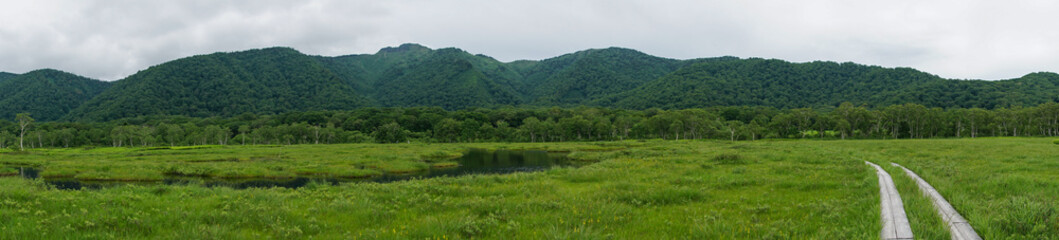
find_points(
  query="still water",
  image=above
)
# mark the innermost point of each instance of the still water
(475, 161)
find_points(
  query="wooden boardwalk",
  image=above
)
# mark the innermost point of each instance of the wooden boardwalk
(894, 219)
(958, 226)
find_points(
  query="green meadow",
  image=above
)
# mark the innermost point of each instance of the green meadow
(811, 189)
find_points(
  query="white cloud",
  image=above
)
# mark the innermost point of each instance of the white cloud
(956, 39)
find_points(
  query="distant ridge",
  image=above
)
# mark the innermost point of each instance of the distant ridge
(46, 94)
(272, 80)
(277, 80)
(6, 75)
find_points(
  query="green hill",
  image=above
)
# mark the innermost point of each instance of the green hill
(272, 80)
(46, 94)
(448, 78)
(781, 84)
(414, 75)
(577, 78)
(6, 75)
(277, 80)
(364, 71)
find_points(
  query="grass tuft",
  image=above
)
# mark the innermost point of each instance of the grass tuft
(730, 159)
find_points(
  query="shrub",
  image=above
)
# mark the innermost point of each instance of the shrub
(729, 158)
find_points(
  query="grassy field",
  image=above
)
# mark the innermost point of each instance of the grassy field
(635, 190)
(1007, 188)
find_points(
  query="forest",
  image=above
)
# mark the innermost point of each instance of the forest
(282, 80)
(48, 94)
(437, 125)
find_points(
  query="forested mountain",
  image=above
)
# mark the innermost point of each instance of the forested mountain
(363, 71)
(277, 80)
(775, 83)
(46, 94)
(6, 75)
(449, 78)
(270, 80)
(577, 78)
(781, 84)
(413, 75)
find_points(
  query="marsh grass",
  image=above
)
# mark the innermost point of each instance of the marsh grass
(923, 217)
(336, 171)
(648, 189)
(8, 171)
(729, 158)
(636, 190)
(444, 165)
(232, 162)
(1005, 187)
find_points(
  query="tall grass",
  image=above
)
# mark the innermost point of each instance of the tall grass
(1006, 187)
(635, 190)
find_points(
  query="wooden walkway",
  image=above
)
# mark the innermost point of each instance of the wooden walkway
(894, 219)
(958, 226)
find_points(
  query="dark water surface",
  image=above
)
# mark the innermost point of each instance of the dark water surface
(475, 161)
(479, 161)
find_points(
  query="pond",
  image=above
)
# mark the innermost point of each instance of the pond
(474, 161)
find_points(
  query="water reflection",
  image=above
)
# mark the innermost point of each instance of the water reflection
(480, 161)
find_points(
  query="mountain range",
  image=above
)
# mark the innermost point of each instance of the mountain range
(47, 94)
(279, 79)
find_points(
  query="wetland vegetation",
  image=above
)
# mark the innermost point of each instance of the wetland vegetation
(160, 170)
(623, 145)
(633, 189)
(420, 143)
(578, 173)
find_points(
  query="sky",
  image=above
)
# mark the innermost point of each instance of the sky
(964, 39)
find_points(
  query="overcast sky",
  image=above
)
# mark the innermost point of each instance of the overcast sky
(967, 39)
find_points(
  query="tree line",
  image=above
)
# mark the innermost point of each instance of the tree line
(433, 124)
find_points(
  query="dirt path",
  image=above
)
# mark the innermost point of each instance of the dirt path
(894, 219)
(958, 226)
